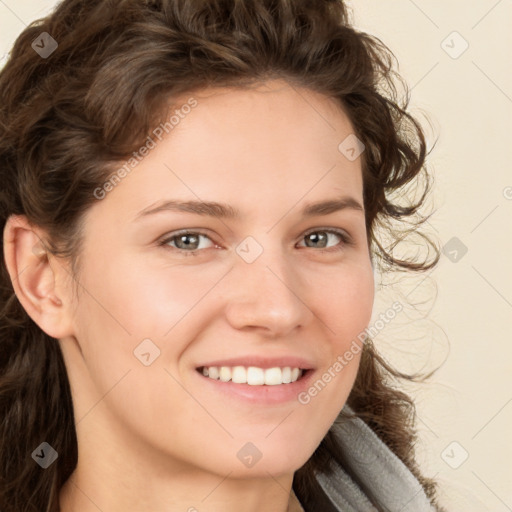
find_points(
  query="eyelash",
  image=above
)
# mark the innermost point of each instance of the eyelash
(346, 240)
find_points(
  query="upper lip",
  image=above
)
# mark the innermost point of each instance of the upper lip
(262, 362)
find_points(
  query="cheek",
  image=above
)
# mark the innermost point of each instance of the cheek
(344, 302)
(132, 301)
(140, 300)
(345, 308)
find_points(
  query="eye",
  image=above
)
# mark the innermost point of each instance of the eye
(187, 242)
(321, 238)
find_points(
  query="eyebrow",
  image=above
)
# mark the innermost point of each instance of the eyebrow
(225, 211)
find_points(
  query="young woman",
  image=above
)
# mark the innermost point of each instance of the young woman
(194, 199)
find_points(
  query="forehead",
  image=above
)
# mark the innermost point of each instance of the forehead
(274, 143)
(290, 114)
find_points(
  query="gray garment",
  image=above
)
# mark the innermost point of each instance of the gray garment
(382, 476)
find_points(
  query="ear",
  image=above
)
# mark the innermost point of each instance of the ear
(34, 273)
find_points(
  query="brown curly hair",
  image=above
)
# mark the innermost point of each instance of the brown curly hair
(65, 120)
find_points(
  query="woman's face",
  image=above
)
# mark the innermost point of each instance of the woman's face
(259, 283)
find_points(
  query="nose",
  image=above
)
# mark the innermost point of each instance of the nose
(268, 295)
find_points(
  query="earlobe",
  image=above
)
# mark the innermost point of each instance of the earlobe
(33, 276)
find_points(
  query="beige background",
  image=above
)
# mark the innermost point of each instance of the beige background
(469, 101)
(463, 308)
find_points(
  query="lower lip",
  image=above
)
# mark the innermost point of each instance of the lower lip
(265, 395)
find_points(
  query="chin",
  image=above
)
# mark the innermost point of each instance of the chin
(272, 459)
(274, 467)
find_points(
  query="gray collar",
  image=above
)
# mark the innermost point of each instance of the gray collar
(382, 477)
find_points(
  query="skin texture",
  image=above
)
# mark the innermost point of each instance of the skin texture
(157, 437)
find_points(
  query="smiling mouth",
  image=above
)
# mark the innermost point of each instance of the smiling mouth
(253, 375)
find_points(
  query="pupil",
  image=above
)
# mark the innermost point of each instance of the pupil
(183, 239)
(322, 237)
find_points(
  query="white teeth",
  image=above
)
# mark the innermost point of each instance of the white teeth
(213, 372)
(225, 373)
(273, 376)
(253, 375)
(239, 375)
